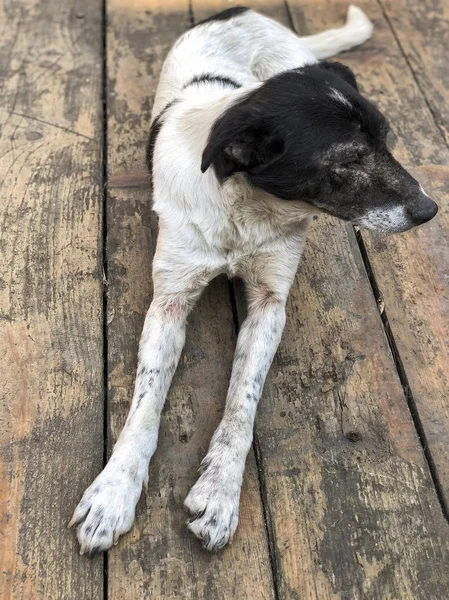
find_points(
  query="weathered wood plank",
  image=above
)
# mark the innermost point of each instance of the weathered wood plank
(159, 558)
(51, 407)
(423, 334)
(410, 269)
(352, 508)
(422, 28)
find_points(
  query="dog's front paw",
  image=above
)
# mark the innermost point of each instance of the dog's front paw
(106, 510)
(213, 503)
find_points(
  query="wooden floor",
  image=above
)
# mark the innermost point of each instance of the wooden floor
(347, 486)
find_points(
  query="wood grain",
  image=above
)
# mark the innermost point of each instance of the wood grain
(423, 336)
(422, 29)
(410, 269)
(352, 508)
(160, 558)
(50, 293)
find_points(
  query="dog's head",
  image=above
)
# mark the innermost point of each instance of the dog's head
(309, 135)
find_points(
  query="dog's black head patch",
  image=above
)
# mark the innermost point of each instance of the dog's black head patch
(308, 134)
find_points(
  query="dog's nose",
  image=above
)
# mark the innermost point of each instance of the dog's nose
(422, 211)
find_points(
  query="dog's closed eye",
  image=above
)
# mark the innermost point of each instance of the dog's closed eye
(348, 164)
(348, 167)
(354, 160)
(346, 156)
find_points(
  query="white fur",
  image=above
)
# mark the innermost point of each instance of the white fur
(206, 229)
(394, 218)
(357, 30)
(337, 95)
(423, 191)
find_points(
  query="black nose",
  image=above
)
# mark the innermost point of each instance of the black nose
(422, 211)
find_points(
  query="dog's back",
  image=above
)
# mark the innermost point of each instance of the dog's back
(241, 47)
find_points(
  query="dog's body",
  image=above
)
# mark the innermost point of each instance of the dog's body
(242, 214)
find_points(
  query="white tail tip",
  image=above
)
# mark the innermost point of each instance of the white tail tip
(357, 20)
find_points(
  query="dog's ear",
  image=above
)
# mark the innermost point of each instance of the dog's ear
(341, 71)
(239, 143)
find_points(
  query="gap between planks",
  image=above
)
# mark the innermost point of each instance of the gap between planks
(104, 192)
(403, 378)
(235, 300)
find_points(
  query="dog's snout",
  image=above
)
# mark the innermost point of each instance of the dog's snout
(422, 211)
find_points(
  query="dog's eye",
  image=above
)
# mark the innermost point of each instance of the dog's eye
(350, 163)
(390, 140)
(343, 173)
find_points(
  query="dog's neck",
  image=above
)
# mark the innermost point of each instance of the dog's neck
(251, 206)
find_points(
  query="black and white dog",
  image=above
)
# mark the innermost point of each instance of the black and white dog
(251, 136)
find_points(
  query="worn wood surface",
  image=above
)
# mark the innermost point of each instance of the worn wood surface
(338, 447)
(160, 558)
(422, 29)
(338, 490)
(51, 439)
(418, 276)
(411, 269)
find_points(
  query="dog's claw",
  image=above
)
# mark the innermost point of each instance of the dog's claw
(73, 521)
(195, 516)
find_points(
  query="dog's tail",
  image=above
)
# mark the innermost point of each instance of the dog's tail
(357, 29)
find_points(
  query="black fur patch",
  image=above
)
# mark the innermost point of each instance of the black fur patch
(206, 77)
(341, 71)
(308, 134)
(154, 132)
(225, 15)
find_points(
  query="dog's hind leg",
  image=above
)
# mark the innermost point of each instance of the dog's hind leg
(357, 29)
(214, 500)
(107, 507)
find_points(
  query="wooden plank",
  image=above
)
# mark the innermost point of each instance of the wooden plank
(423, 334)
(51, 407)
(160, 558)
(422, 28)
(351, 504)
(410, 269)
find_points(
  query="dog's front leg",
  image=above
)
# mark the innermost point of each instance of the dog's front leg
(107, 507)
(214, 500)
